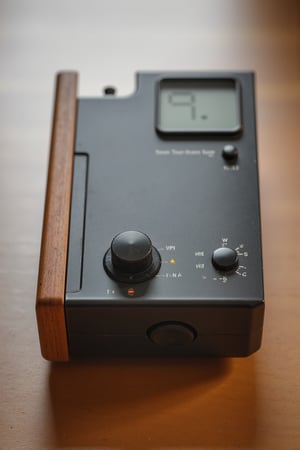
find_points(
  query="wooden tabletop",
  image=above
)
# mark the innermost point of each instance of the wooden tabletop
(251, 403)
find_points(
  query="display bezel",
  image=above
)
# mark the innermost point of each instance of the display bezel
(187, 132)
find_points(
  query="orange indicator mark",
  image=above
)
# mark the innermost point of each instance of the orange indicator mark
(131, 291)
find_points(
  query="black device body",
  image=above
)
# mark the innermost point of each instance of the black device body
(194, 193)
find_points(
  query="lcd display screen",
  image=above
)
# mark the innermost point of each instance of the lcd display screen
(198, 106)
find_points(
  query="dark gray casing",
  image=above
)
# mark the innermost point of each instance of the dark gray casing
(182, 193)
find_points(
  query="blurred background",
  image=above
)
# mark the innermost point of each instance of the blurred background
(252, 403)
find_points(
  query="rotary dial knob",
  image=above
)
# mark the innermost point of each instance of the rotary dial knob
(225, 259)
(132, 258)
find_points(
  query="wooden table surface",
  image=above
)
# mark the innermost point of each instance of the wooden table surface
(251, 403)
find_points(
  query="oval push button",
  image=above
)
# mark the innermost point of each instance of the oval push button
(172, 334)
(225, 259)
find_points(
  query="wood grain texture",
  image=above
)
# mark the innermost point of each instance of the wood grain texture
(53, 260)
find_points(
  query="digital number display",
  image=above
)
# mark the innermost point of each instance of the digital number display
(198, 106)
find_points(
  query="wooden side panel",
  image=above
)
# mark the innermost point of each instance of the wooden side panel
(53, 259)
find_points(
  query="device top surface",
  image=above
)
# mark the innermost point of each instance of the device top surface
(174, 184)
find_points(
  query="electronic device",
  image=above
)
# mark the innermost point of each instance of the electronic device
(151, 239)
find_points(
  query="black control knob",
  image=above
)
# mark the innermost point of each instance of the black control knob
(131, 252)
(225, 259)
(132, 258)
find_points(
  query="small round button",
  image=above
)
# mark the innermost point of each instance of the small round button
(225, 259)
(171, 334)
(109, 90)
(230, 152)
